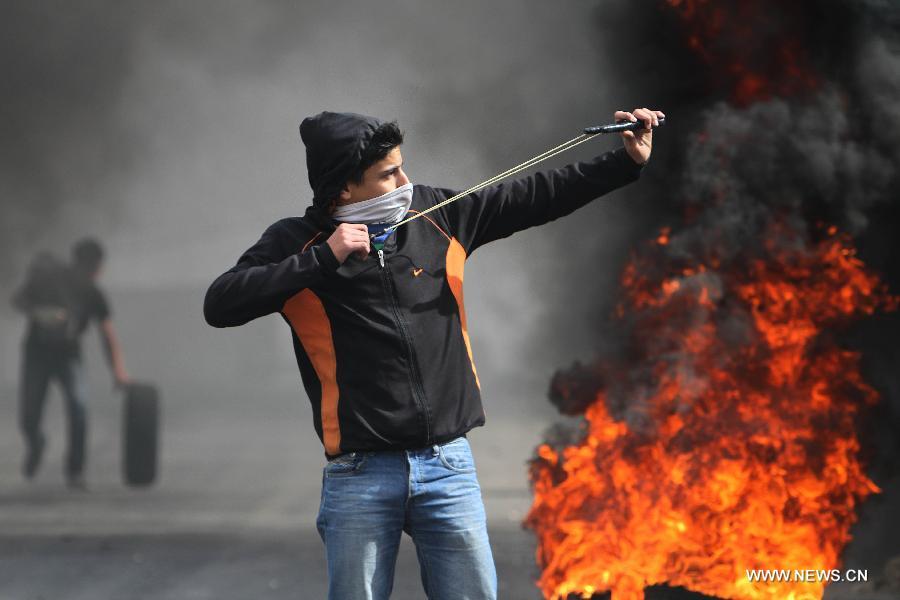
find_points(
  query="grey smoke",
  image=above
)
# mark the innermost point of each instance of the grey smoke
(61, 132)
(169, 130)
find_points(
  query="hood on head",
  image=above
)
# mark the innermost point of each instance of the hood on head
(334, 146)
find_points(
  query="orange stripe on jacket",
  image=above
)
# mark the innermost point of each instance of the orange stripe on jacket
(314, 238)
(456, 265)
(306, 315)
(432, 222)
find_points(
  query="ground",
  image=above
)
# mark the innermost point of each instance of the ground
(231, 517)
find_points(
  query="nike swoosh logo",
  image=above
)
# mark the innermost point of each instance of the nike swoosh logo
(416, 272)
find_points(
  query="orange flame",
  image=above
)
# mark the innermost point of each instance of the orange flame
(753, 462)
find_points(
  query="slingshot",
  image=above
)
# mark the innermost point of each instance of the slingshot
(588, 133)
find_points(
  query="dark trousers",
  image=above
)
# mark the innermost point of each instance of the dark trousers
(38, 370)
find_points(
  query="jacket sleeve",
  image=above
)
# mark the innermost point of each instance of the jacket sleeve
(501, 210)
(263, 280)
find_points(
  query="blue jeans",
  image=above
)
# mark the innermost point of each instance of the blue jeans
(370, 498)
(38, 370)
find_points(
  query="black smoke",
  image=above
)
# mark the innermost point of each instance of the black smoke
(815, 146)
(826, 154)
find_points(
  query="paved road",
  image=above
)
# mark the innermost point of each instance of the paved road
(232, 517)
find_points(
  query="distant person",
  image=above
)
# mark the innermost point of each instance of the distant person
(60, 301)
(380, 337)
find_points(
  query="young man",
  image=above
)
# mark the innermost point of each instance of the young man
(382, 346)
(60, 302)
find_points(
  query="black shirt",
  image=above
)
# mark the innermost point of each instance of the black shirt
(60, 302)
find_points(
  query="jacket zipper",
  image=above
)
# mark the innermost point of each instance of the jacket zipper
(418, 392)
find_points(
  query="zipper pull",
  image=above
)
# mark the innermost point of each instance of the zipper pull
(381, 258)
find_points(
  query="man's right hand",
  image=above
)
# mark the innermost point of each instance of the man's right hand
(349, 238)
(121, 381)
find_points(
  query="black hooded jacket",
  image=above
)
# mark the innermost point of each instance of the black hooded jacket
(382, 344)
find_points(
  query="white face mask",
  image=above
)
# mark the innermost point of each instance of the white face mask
(389, 208)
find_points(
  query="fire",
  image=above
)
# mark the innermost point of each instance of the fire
(738, 449)
(663, 237)
(745, 48)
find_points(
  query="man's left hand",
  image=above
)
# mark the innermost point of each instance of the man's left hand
(639, 143)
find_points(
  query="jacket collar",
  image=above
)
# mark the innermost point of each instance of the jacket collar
(320, 220)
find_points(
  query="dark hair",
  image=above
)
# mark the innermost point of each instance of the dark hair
(385, 138)
(87, 254)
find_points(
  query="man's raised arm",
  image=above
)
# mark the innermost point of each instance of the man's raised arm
(501, 210)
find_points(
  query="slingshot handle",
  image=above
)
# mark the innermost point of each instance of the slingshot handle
(620, 126)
